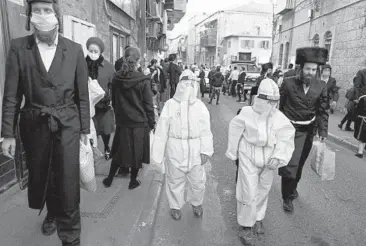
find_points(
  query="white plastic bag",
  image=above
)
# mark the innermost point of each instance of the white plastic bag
(155, 167)
(87, 171)
(322, 161)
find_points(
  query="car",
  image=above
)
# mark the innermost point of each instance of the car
(252, 71)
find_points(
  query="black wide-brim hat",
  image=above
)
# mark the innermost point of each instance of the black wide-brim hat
(42, 1)
(311, 54)
(267, 66)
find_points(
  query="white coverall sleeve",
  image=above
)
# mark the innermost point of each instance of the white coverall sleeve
(205, 132)
(236, 129)
(161, 135)
(285, 146)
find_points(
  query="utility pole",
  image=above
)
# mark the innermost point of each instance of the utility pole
(273, 27)
(142, 32)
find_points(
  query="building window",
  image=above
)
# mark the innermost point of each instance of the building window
(247, 44)
(258, 30)
(245, 56)
(287, 51)
(328, 42)
(280, 55)
(264, 44)
(118, 43)
(316, 40)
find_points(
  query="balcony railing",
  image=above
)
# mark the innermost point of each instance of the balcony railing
(209, 38)
(285, 6)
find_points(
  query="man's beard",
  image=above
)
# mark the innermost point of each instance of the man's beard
(46, 37)
(307, 78)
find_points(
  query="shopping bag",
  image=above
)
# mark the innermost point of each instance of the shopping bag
(155, 167)
(322, 161)
(87, 170)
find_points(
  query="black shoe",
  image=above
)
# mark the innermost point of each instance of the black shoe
(176, 214)
(258, 227)
(359, 155)
(246, 236)
(217, 103)
(107, 182)
(49, 225)
(294, 195)
(348, 129)
(288, 206)
(134, 184)
(198, 211)
(340, 126)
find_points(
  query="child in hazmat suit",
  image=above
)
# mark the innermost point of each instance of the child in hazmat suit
(183, 137)
(262, 139)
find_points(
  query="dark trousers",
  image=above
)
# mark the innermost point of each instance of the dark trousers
(349, 118)
(68, 222)
(242, 91)
(289, 185)
(173, 87)
(217, 91)
(233, 88)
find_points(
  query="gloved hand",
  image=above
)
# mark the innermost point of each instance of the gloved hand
(273, 164)
(204, 159)
(322, 139)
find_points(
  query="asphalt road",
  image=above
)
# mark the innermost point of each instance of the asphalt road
(326, 212)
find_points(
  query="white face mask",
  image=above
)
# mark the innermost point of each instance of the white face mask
(93, 56)
(262, 106)
(44, 23)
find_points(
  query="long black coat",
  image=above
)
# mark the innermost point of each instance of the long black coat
(360, 121)
(56, 111)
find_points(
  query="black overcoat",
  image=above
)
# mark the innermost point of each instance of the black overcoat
(298, 106)
(56, 111)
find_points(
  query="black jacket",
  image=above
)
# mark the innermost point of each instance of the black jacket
(217, 79)
(298, 106)
(132, 100)
(174, 72)
(241, 79)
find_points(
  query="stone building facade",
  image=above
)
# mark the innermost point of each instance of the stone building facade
(340, 26)
(251, 20)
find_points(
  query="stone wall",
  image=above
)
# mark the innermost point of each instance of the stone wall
(345, 19)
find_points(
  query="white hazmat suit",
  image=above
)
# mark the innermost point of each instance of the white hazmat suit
(262, 138)
(182, 134)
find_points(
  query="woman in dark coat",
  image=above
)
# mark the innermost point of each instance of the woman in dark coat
(103, 72)
(360, 122)
(133, 105)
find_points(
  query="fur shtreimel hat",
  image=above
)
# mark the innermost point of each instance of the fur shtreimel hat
(56, 8)
(267, 66)
(311, 54)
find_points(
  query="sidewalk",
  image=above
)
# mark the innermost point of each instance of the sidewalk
(338, 136)
(115, 216)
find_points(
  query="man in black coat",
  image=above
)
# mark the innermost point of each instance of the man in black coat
(174, 72)
(55, 117)
(240, 85)
(304, 100)
(332, 88)
(266, 72)
(217, 81)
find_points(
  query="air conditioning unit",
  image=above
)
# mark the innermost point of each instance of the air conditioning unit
(310, 13)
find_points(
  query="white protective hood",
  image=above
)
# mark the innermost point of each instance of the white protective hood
(187, 88)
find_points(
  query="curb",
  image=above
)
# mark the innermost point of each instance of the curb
(342, 142)
(144, 230)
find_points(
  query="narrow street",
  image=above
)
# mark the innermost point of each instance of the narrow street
(326, 213)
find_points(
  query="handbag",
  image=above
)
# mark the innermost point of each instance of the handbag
(155, 167)
(87, 170)
(322, 161)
